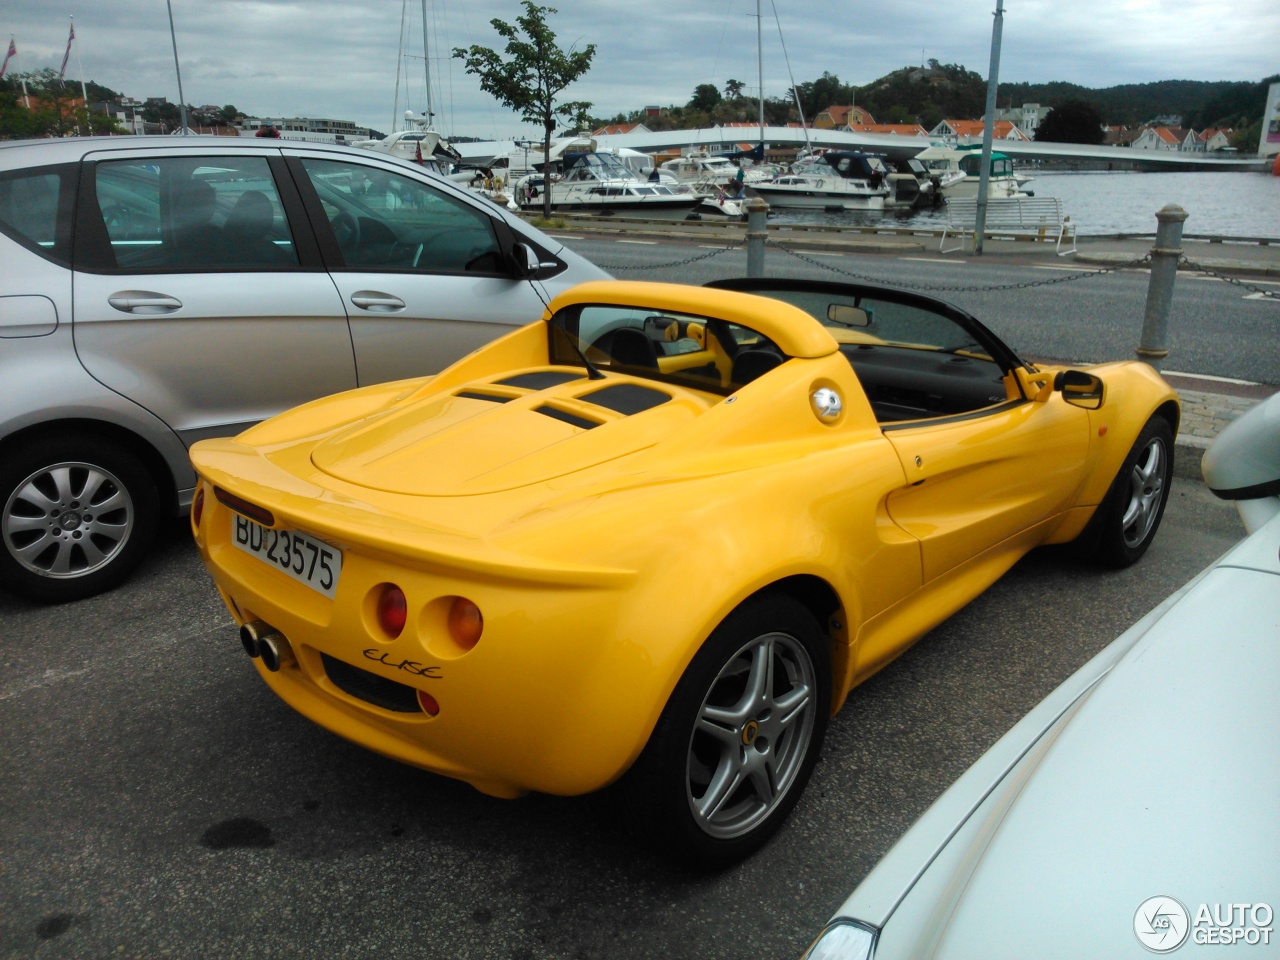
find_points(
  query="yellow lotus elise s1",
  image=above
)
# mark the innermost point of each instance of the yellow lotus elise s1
(661, 533)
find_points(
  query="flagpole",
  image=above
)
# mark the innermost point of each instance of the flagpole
(182, 101)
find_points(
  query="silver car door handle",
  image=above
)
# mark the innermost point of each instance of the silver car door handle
(378, 302)
(143, 301)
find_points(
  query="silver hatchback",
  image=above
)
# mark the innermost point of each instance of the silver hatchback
(155, 291)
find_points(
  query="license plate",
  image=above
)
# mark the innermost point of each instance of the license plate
(306, 559)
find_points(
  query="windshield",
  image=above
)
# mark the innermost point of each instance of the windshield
(681, 349)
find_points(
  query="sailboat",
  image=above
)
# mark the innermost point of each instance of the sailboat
(418, 141)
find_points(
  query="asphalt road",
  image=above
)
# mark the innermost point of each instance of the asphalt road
(1215, 328)
(157, 800)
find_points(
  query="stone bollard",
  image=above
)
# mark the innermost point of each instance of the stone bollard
(757, 233)
(1164, 268)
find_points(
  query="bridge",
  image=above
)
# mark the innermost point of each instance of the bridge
(723, 139)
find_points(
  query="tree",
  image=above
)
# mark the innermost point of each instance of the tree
(733, 89)
(1073, 122)
(826, 91)
(705, 97)
(532, 76)
(48, 108)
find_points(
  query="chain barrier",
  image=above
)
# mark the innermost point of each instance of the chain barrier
(1265, 294)
(970, 288)
(675, 263)
(1144, 261)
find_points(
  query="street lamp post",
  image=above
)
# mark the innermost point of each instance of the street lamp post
(988, 129)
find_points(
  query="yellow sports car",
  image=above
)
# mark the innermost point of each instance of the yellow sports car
(662, 533)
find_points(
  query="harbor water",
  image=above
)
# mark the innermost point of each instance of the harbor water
(1106, 203)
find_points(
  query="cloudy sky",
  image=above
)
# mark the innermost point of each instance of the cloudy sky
(338, 58)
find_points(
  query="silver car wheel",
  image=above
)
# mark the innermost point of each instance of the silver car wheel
(1146, 493)
(751, 735)
(67, 520)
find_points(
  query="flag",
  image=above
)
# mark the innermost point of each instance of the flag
(417, 153)
(13, 52)
(62, 73)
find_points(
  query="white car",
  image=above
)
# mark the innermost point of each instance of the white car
(1137, 808)
(155, 291)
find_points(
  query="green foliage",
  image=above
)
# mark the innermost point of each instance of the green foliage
(1073, 122)
(936, 92)
(925, 95)
(705, 97)
(54, 108)
(533, 73)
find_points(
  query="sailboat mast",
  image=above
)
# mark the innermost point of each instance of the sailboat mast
(395, 107)
(760, 68)
(426, 64)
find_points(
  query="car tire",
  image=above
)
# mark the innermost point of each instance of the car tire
(1129, 516)
(730, 757)
(77, 515)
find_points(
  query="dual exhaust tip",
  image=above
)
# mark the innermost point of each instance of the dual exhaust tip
(263, 641)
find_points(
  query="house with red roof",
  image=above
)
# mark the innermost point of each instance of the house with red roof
(1213, 139)
(1166, 138)
(971, 131)
(840, 118)
(894, 129)
(614, 128)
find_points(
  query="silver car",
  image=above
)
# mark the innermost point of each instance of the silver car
(155, 291)
(1137, 808)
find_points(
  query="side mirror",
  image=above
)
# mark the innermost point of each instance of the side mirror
(527, 264)
(1080, 389)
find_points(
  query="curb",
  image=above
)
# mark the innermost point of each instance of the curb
(1222, 266)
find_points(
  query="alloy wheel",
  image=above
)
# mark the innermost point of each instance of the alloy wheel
(751, 735)
(67, 520)
(1146, 493)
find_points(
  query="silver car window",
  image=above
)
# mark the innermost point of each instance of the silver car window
(385, 221)
(29, 203)
(194, 214)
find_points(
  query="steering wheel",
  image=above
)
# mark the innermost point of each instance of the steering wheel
(346, 228)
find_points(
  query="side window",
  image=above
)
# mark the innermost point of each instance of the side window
(193, 214)
(914, 363)
(385, 221)
(30, 201)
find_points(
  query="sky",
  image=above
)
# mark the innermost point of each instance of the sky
(340, 58)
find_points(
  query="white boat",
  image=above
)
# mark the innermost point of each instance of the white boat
(421, 145)
(601, 184)
(838, 180)
(911, 186)
(959, 171)
(701, 168)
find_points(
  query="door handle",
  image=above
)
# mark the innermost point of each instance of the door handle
(143, 301)
(377, 302)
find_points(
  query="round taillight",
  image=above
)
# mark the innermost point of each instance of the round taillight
(197, 507)
(428, 703)
(465, 623)
(393, 610)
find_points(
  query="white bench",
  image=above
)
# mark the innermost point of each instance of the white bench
(1034, 218)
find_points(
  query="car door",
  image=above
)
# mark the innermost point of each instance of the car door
(425, 275)
(985, 453)
(973, 482)
(199, 290)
